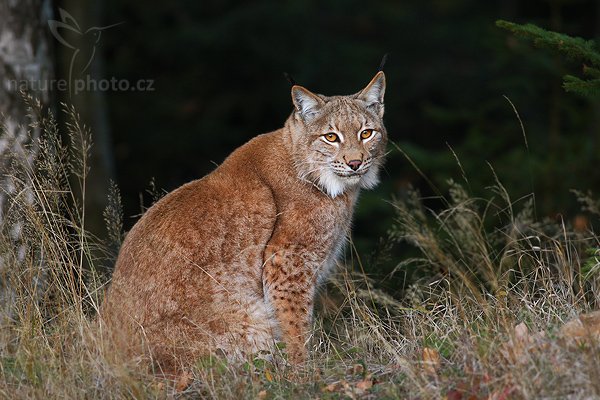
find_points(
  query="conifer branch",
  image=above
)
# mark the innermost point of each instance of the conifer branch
(574, 48)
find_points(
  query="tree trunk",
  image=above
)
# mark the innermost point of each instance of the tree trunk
(25, 63)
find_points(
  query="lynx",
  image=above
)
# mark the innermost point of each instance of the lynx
(230, 263)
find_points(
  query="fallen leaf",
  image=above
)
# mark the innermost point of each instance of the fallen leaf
(521, 344)
(431, 360)
(356, 369)
(581, 223)
(365, 384)
(522, 332)
(334, 387)
(262, 394)
(584, 327)
(185, 379)
(454, 394)
(268, 376)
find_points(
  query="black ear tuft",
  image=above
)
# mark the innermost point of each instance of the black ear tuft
(383, 61)
(289, 79)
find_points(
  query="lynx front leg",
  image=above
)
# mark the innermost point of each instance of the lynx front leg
(289, 285)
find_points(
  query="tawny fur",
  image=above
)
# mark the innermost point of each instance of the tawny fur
(231, 262)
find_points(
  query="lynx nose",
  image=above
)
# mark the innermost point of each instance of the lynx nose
(354, 164)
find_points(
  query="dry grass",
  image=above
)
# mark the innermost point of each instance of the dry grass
(483, 266)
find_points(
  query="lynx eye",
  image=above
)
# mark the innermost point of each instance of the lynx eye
(367, 133)
(331, 137)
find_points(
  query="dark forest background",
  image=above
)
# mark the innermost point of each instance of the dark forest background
(218, 66)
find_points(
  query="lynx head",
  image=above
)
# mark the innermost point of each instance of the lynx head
(338, 142)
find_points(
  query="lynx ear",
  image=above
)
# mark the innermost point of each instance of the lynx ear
(307, 104)
(373, 94)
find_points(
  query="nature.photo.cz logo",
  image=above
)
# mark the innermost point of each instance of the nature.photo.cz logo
(80, 85)
(84, 44)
